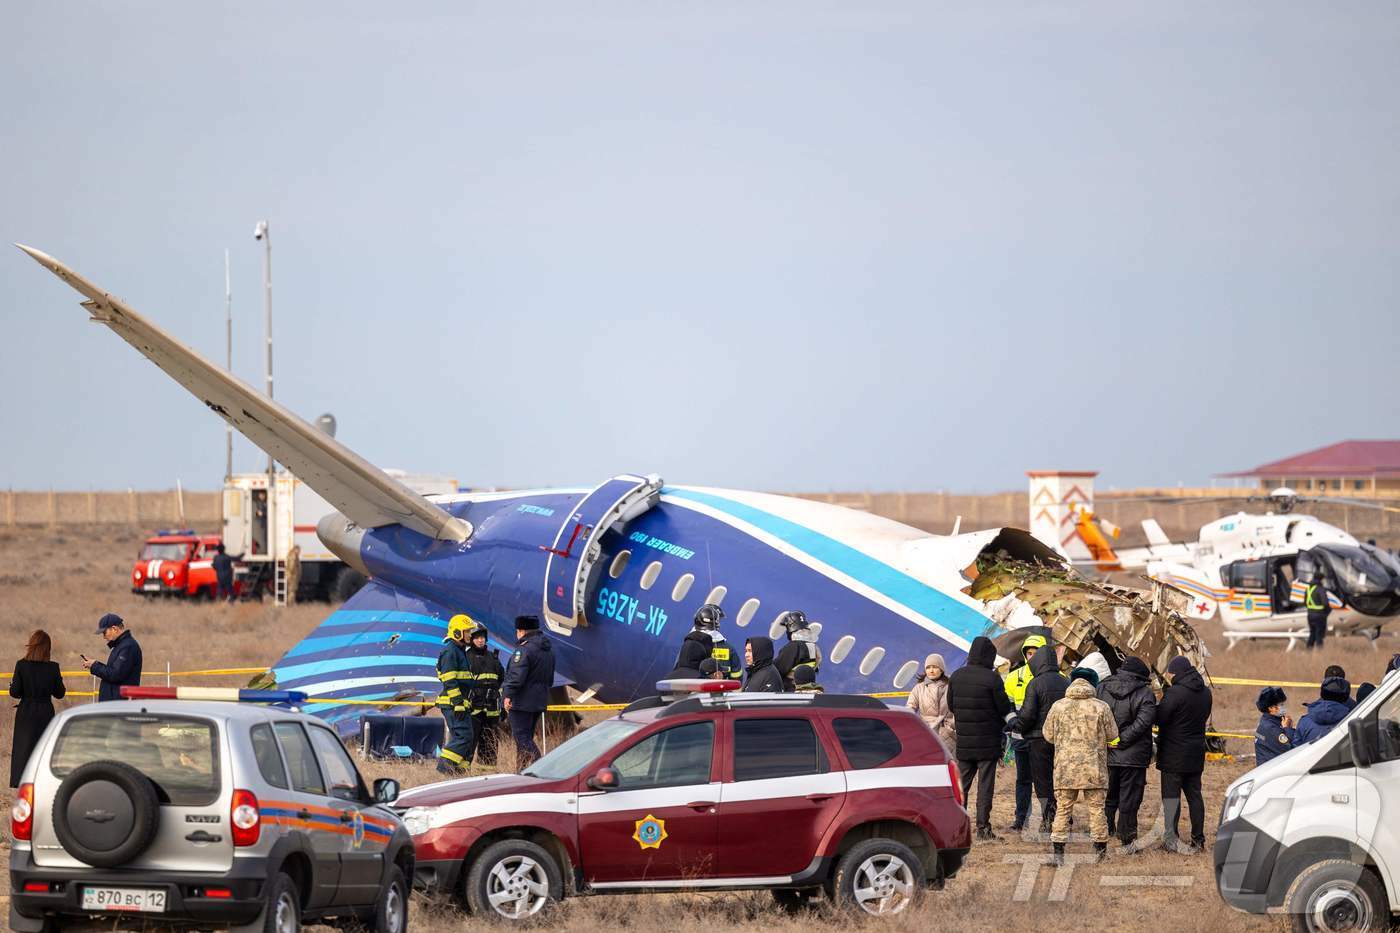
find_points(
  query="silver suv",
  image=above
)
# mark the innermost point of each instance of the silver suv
(207, 813)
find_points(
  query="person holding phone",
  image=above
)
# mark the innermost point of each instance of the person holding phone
(36, 684)
(123, 665)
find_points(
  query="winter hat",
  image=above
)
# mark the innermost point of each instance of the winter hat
(1363, 691)
(1179, 665)
(1084, 673)
(936, 660)
(804, 675)
(1135, 666)
(527, 623)
(1269, 696)
(1334, 688)
(709, 666)
(1096, 662)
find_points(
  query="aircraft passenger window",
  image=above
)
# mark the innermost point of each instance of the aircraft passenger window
(717, 595)
(842, 648)
(746, 612)
(872, 659)
(816, 629)
(775, 748)
(906, 674)
(671, 758)
(776, 630)
(619, 564)
(682, 587)
(650, 574)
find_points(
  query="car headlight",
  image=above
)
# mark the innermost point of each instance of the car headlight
(1234, 803)
(416, 820)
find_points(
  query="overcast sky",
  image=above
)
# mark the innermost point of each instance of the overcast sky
(760, 245)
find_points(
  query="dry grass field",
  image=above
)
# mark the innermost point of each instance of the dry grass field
(63, 579)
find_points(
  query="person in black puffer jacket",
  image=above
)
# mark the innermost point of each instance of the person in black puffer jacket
(695, 647)
(1129, 694)
(1181, 750)
(981, 710)
(1046, 686)
(760, 675)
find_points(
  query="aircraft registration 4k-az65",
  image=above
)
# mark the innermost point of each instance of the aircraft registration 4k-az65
(616, 571)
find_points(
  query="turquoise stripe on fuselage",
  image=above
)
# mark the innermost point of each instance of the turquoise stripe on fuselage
(958, 619)
(343, 665)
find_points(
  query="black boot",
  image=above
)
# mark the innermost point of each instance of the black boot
(1057, 856)
(1100, 851)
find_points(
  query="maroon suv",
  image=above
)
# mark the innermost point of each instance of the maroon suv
(803, 794)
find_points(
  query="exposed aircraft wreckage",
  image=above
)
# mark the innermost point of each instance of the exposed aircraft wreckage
(1086, 616)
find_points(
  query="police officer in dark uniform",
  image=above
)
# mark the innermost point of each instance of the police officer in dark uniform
(526, 687)
(1318, 610)
(801, 649)
(454, 670)
(483, 695)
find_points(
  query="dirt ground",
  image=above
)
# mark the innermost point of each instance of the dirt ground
(63, 579)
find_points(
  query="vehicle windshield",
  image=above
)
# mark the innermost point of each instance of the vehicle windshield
(174, 550)
(569, 758)
(180, 755)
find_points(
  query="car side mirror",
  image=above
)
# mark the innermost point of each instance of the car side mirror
(1360, 731)
(386, 790)
(605, 779)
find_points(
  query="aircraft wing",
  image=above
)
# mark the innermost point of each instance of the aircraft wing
(363, 493)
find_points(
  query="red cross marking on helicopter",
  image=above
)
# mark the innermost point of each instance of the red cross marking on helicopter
(1202, 606)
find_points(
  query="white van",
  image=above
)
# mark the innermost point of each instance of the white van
(1316, 831)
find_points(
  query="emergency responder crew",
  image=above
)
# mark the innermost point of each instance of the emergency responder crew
(699, 644)
(526, 687)
(483, 695)
(1080, 726)
(801, 649)
(760, 676)
(1129, 695)
(123, 667)
(805, 679)
(1318, 610)
(1275, 733)
(725, 656)
(1181, 719)
(1016, 683)
(454, 670)
(1047, 687)
(223, 573)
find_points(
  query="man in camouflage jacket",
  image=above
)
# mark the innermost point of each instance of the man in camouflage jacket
(1080, 726)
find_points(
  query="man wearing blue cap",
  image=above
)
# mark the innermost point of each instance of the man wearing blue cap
(123, 667)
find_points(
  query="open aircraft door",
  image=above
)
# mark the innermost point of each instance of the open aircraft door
(576, 546)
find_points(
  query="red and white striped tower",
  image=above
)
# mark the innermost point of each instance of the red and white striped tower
(1052, 492)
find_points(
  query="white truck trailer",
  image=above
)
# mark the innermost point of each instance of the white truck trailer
(289, 555)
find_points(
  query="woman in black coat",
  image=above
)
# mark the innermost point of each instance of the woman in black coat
(36, 684)
(1181, 751)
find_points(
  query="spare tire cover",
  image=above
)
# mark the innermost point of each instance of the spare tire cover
(106, 813)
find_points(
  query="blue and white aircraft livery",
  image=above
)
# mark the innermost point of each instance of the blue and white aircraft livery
(615, 571)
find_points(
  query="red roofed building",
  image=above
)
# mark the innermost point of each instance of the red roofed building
(1349, 467)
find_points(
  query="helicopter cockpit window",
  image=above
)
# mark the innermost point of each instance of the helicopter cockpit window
(1359, 572)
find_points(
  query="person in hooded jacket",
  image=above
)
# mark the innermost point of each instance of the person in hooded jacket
(1275, 733)
(1129, 696)
(760, 675)
(929, 699)
(1081, 726)
(981, 713)
(1016, 684)
(1181, 751)
(1324, 713)
(1047, 687)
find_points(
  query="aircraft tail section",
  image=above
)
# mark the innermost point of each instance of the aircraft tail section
(363, 493)
(1156, 537)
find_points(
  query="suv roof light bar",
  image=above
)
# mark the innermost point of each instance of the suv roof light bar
(223, 694)
(695, 685)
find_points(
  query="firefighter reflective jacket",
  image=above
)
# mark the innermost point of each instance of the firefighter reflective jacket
(454, 670)
(483, 689)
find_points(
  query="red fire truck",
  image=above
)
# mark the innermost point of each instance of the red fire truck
(176, 562)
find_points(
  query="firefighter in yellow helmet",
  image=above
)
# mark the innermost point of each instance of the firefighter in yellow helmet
(454, 670)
